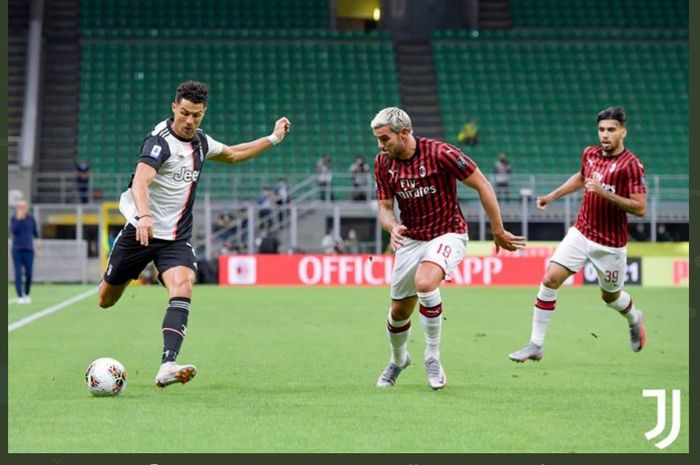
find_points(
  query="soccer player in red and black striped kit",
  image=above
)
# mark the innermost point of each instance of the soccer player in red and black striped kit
(431, 238)
(613, 179)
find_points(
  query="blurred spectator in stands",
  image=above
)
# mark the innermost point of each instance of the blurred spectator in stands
(360, 179)
(282, 199)
(269, 244)
(324, 171)
(82, 180)
(266, 200)
(24, 231)
(226, 248)
(662, 234)
(502, 172)
(225, 225)
(469, 134)
(351, 244)
(638, 232)
(330, 243)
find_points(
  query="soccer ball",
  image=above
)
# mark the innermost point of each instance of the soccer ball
(105, 377)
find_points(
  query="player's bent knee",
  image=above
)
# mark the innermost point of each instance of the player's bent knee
(610, 297)
(425, 285)
(181, 289)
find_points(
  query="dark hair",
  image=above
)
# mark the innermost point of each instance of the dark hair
(194, 91)
(616, 113)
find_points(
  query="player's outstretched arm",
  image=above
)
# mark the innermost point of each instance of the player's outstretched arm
(247, 150)
(574, 183)
(501, 237)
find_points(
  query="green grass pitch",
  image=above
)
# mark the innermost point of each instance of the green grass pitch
(293, 370)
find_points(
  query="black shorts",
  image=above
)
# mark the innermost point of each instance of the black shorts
(128, 257)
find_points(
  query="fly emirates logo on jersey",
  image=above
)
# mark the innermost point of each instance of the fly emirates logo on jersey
(599, 177)
(187, 175)
(409, 189)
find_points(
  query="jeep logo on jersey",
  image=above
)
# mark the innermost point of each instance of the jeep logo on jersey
(186, 174)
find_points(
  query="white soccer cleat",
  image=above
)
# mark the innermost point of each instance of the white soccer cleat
(171, 373)
(529, 351)
(638, 334)
(391, 372)
(436, 375)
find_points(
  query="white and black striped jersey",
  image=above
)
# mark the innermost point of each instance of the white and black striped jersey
(179, 164)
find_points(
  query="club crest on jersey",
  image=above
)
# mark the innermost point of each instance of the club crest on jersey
(155, 151)
(612, 167)
(186, 175)
(422, 171)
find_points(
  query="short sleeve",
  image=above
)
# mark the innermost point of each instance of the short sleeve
(457, 163)
(215, 147)
(383, 183)
(584, 154)
(154, 151)
(635, 178)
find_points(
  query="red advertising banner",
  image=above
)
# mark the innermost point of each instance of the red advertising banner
(373, 270)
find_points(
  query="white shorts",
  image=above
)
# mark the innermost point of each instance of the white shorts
(446, 251)
(610, 263)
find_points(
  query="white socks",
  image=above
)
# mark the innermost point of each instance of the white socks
(625, 305)
(431, 320)
(542, 313)
(397, 332)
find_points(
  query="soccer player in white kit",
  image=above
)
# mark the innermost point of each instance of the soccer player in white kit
(431, 238)
(158, 208)
(613, 179)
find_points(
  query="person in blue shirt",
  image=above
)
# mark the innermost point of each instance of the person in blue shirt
(24, 232)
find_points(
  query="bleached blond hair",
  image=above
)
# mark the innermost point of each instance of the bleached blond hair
(394, 117)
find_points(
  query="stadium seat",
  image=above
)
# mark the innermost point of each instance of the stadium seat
(536, 97)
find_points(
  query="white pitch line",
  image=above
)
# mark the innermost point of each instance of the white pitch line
(47, 311)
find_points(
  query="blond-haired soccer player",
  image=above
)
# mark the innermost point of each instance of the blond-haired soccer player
(431, 237)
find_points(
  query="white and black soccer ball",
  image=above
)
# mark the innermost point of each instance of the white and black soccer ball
(105, 377)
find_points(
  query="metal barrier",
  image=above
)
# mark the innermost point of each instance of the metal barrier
(57, 261)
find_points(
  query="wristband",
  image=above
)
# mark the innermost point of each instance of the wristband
(274, 140)
(137, 217)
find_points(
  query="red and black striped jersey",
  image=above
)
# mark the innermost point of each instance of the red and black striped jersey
(425, 187)
(598, 219)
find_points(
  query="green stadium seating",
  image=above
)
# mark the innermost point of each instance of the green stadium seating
(152, 16)
(599, 13)
(330, 90)
(536, 96)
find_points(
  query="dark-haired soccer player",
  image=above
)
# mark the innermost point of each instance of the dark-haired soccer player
(431, 237)
(613, 178)
(158, 208)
